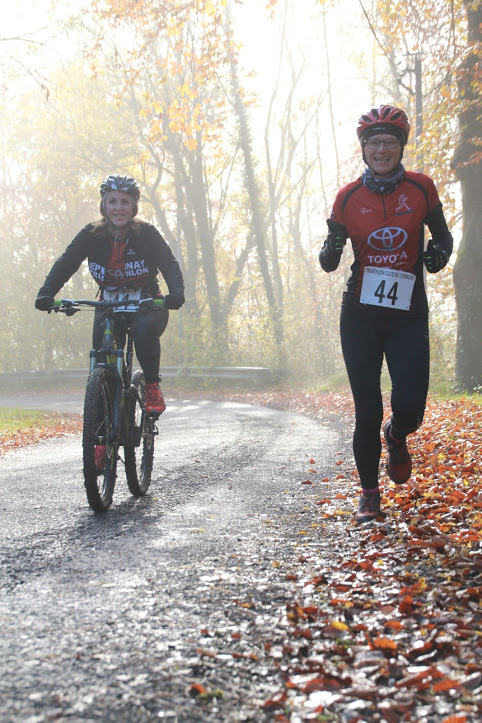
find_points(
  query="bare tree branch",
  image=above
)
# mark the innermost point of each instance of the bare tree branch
(380, 45)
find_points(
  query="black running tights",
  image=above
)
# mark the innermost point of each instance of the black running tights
(366, 337)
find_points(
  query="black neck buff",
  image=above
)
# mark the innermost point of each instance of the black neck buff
(383, 185)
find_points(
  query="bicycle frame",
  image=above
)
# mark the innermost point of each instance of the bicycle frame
(121, 371)
(114, 356)
(121, 368)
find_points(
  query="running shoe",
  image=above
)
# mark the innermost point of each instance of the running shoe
(399, 462)
(154, 399)
(369, 507)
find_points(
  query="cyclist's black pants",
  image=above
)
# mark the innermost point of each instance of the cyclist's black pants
(147, 327)
(366, 336)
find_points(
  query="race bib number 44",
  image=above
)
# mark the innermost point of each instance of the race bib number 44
(387, 287)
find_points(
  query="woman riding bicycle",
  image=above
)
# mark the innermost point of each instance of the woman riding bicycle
(384, 308)
(124, 255)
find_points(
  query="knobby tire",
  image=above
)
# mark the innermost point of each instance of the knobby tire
(139, 448)
(98, 421)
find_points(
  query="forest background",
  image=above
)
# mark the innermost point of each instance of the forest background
(238, 118)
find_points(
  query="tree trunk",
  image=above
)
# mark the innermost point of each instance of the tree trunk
(257, 220)
(468, 266)
(194, 219)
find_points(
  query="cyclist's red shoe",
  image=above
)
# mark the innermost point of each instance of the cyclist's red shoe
(399, 463)
(154, 400)
(100, 457)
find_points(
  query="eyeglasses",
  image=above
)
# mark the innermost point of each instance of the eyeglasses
(390, 145)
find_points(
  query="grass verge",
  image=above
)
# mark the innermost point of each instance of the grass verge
(20, 427)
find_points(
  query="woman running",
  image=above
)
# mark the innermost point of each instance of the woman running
(384, 309)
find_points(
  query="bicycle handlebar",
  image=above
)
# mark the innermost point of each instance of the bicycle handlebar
(71, 305)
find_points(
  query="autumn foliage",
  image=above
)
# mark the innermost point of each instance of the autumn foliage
(194, 55)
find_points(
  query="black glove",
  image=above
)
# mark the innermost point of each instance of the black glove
(44, 303)
(173, 302)
(434, 258)
(336, 239)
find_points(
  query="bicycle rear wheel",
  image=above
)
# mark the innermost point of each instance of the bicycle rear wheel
(139, 451)
(99, 480)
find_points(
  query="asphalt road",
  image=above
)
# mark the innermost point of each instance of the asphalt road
(102, 616)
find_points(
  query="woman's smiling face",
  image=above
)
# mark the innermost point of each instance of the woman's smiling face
(382, 154)
(119, 208)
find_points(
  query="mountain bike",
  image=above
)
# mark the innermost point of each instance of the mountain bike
(114, 406)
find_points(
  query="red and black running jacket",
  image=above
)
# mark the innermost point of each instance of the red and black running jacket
(387, 231)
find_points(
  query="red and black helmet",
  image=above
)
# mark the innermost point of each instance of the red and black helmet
(385, 118)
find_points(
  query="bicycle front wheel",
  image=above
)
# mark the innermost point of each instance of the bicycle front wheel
(139, 451)
(99, 444)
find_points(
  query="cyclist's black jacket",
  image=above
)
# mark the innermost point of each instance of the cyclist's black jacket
(146, 253)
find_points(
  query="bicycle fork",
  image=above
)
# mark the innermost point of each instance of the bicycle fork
(115, 363)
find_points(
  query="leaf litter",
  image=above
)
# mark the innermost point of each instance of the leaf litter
(379, 622)
(383, 623)
(49, 425)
